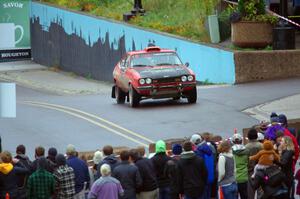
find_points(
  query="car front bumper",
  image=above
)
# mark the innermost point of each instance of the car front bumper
(168, 90)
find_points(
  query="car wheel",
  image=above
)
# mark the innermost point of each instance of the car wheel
(176, 98)
(120, 95)
(134, 97)
(192, 96)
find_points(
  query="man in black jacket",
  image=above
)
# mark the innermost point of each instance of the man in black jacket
(128, 175)
(148, 189)
(160, 160)
(26, 163)
(192, 174)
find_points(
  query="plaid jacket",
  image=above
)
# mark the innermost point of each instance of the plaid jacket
(40, 185)
(65, 182)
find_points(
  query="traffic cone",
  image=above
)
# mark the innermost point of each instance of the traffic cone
(7, 196)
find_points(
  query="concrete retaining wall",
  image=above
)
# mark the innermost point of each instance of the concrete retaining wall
(264, 65)
(91, 46)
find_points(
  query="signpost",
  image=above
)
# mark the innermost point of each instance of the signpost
(14, 29)
(7, 100)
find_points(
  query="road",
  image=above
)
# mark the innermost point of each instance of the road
(91, 121)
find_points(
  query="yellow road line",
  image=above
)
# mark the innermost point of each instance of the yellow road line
(91, 121)
(96, 117)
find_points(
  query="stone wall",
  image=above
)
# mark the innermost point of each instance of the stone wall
(265, 65)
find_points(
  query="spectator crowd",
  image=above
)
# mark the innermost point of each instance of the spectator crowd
(261, 165)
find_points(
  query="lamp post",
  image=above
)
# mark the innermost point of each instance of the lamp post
(137, 9)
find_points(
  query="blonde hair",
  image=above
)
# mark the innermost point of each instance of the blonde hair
(289, 143)
(224, 147)
(6, 157)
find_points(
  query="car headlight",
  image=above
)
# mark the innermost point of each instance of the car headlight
(148, 80)
(184, 78)
(190, 78)
(142, 81)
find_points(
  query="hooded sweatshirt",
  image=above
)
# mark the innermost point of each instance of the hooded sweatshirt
(205, 152)
(9, 179)
(241, 157)
(5, 168)
(192, 175)
(111, 160)
(159, 161)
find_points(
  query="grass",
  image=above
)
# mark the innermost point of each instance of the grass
(233, 47)
(180, 17)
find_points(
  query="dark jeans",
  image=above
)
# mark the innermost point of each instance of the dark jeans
(186, 197)
(230, 191)
(243, 190)
(164, 193)
(207, 192)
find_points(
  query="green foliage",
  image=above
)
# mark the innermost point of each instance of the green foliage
(224, 22)
(233, 47)
(183, 18)
(254, 10)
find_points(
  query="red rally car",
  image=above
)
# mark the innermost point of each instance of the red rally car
(152, 73)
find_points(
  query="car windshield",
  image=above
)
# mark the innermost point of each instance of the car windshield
(155, 59)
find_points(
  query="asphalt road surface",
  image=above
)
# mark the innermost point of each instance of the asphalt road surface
(90, 122)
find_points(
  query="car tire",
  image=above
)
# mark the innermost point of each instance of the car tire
(176, 98)
(120, 95)
(192, 96)
(134, 97)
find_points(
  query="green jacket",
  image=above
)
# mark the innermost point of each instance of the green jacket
(241, 157)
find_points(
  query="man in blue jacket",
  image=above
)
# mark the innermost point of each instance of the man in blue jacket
(80, 170)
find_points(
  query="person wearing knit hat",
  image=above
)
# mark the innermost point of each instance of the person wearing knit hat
(254, 147)
(65, 178)
(97, 157)
(241, 159)
(81, 171)
(52, 152)
(266, 157)
(196, 139)
(176, 149)
(71, 151)
(159, 161)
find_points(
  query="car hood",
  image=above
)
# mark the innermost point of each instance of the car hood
(158, 72)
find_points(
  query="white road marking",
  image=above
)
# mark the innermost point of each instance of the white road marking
(80, 114)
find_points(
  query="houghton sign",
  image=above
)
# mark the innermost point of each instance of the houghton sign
(14, 29)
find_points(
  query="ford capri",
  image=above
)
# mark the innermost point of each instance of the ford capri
(152, 73)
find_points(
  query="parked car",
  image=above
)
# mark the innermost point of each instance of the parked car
(152, 73)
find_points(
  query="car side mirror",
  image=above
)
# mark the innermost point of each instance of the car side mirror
(187, 64)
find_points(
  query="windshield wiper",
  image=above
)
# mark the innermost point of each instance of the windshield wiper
(139, 65)
(163, 64)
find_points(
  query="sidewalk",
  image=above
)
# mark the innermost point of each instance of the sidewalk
(290, 106)
(35, 76)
